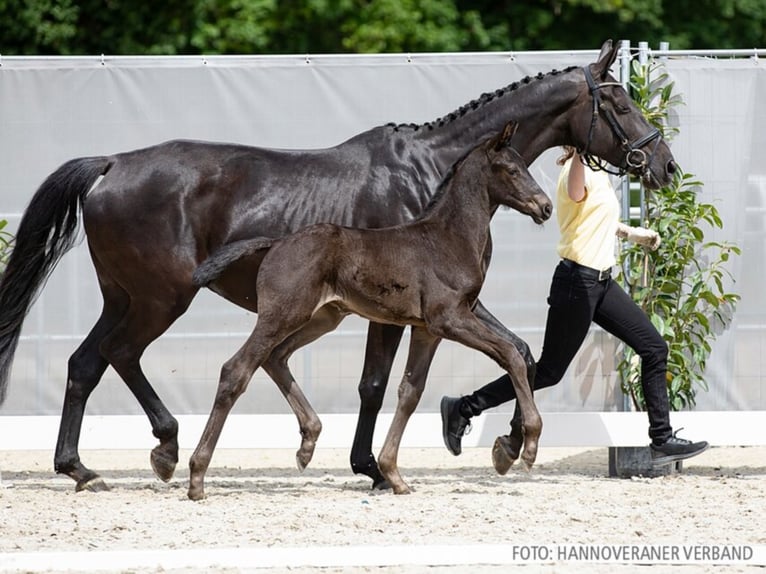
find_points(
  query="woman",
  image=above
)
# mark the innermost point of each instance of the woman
(582, 292)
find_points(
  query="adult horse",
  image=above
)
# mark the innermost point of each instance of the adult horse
(158, 212)
(426, 273)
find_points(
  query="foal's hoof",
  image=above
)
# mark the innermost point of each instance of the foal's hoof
(528, 458)
(163, 464)
(503, 454)
(402, 489)
(381, 484)
(303, 457)
(96, 484)
(301, 461)
(196, 493)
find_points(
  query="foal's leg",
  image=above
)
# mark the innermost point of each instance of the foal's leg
(461, 325)
(506, 449)
(323, 321)
(235, 375)
(422, 348)
(510, 444)
(382, 343)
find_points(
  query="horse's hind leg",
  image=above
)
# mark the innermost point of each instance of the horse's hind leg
(382, 343)
(422, 348)
(235, 376)
(143, 322)
(86, 367)
(323, 321)
(113, 340)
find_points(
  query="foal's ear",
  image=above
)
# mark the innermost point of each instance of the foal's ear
(605, 59)
(504, 139)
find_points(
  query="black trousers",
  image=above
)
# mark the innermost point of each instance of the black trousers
(579, 297)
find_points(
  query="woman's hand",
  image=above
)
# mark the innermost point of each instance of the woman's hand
(639, 235)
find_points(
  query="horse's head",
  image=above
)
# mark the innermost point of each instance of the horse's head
(510, 182)
(608, 125)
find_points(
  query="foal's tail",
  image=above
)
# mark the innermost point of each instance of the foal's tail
(47, 231)
(212, 267)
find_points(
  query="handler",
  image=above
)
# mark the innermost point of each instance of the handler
(583, 291)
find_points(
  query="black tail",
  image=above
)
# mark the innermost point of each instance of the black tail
(212, 267)
(47, 231)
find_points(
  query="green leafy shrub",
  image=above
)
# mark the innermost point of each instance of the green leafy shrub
(682, 285)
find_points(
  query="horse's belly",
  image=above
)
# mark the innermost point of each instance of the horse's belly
(388, 310)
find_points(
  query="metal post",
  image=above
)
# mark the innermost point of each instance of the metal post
(625, 184)
(664, 47)
(643, 60)
(625, 80)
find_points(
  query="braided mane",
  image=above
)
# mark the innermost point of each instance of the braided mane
(478, 102)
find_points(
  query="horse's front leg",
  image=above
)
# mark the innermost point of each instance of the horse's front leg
(323, 321)
(462, 325)
(382, 343)
(422, 348)
(521, 345)
(507, 448)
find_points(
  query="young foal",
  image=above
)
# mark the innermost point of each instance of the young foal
(427, 274)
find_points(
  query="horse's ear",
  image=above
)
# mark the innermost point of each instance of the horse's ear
(605, 59)
(504, 139)
(509, 131)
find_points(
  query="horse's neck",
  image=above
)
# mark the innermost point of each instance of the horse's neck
(463, 205)
(539, 107)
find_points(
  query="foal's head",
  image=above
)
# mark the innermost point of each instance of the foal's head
(510, 182)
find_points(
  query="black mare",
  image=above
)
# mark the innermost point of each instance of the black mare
(158, 212)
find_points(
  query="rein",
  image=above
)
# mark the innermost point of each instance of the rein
(635, 158)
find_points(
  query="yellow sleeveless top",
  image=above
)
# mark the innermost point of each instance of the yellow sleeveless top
(588, 227)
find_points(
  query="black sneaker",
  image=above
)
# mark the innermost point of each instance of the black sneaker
(454, 424)
(675, 449)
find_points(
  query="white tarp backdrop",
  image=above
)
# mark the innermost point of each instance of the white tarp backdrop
(55, 109)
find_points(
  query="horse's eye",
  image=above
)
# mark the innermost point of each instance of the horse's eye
(622, 109)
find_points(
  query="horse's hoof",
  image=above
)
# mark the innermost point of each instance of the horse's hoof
(528, 460)
(96, 484)
(503, 455)
(515, 444)
(196, 494)
(301, 462)
(163, 464)
(370, 468)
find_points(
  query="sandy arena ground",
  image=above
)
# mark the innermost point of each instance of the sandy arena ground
(460, 513)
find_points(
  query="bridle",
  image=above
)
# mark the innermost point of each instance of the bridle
(635, 159)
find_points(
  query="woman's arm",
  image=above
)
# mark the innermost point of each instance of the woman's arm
(576, 180)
